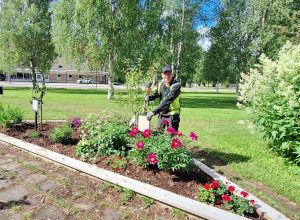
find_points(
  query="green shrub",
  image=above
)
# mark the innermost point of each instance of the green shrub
(62, 134)
(34, 134)
(271, 93)
(103, 135)
(10, 115)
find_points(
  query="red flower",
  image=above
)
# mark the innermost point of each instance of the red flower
(226, 198)
(176, 143)
(132, 134)
(215, 185)
(244, 194)
(147, 133)
(206, 186)
(165, 122)
(193, 136)
(152, 159)
(252, 201)
(179, 133)
(171, 130)
(231, 188)
(140, 145)
(217, 202)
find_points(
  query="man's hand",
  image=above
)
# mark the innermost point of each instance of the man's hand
(149, 116)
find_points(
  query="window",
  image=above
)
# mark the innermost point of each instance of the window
(60, 66)
(38, 76)
(69, 76)
(80, 76)
(27, 75)
(58, 76)
(19, 75)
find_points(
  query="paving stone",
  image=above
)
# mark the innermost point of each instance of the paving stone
(10, 166)
(4, 161)
(23, 173)
(86, 205)
(15, 216)
(49, 213)
(47, 186)
(3, 215)
(36, 178)
(5, 183)
(16, 193)
(111, 215)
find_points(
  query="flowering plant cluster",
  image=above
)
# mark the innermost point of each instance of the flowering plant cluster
(75, 122)
(166, 150)
(218, 193)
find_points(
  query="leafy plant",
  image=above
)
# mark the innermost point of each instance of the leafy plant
(127, 195)
(34, 134)
(147, 201)
(117, 162)
(62, 134)
(271, 93)
(218, 193)
(10, 115)
(104, 136)
(166, 150)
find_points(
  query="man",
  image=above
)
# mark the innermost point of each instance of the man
(168, 92)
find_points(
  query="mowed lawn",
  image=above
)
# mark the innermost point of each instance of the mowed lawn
(220, 125)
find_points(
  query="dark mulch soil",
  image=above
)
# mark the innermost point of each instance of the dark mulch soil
(183, 183)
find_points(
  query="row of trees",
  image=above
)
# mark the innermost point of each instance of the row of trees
(245, 30)
(100, 34)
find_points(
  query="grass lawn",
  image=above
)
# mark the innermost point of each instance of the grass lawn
(217, 121)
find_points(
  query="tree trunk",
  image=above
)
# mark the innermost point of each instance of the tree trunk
(172, 52)
(237, 86)
(110, 91)
(33, 75)
(180, 44)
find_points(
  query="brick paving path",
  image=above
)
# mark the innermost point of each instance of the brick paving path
(32, 188)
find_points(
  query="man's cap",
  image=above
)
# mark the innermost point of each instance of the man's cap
(166, 69)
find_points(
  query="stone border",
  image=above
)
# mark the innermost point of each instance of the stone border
(164, 196)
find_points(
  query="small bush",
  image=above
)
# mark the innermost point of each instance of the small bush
(10, 115)
(271, 93)
(105, 135)
(34, 134)
(62, 134)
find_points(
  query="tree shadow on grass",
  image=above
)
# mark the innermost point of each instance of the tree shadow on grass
(213, 158)
(209, 102)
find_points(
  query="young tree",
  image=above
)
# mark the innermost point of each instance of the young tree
(25, 39)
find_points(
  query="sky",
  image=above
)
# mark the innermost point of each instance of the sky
(210, 9)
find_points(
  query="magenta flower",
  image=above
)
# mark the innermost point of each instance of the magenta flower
(133, 132)
(176, 143)
(147, 133)
(140, 145)
(193, 136)
(171, 130)
(179, 133)
(152, 159)
(165, 122)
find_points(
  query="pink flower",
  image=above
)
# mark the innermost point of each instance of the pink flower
(179, 133)
(133, 132)
(147, 133)
(140, 145)
(215, 185)
(171, 130)
(165, 122)
(176, 143)
(252, 201)
(226, 198)
(193, 136)
(152, 159)
(231, 188)
(244, 194)
(206, 186)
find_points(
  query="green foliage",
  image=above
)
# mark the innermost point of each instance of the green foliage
(159, 144)
(10, 115)
(103, 135)
(147, 201)
(62, 134)
(239, 205)
(117, 162)
(126, 195)
(34, 134)
(272, 93)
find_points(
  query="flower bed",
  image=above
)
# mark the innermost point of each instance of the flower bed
(139, 160)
